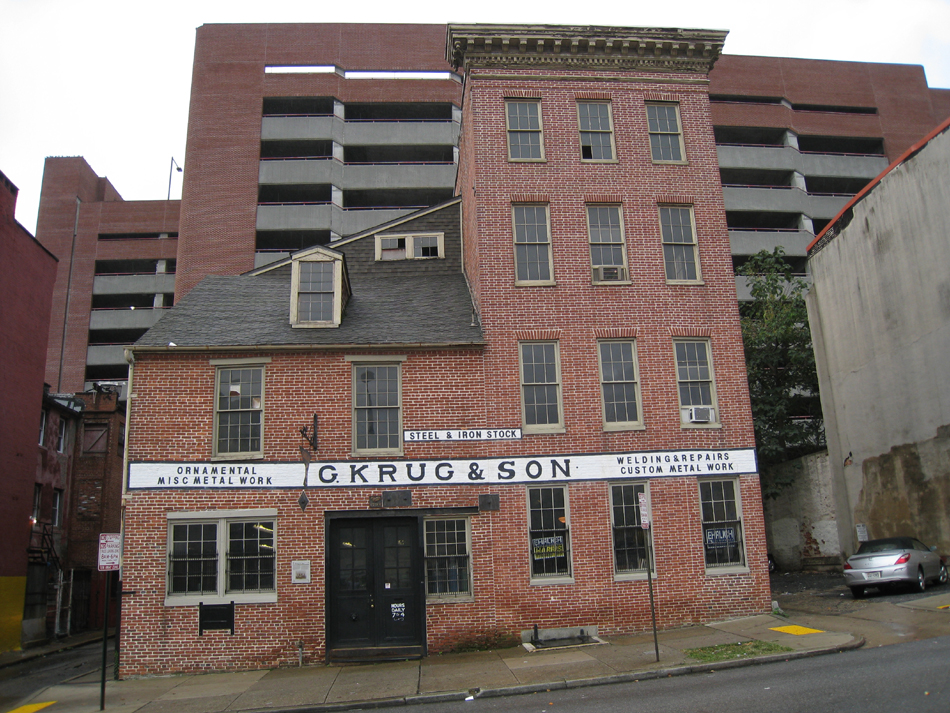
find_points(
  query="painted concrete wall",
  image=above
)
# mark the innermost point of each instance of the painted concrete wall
(880, 316)
(801, 523)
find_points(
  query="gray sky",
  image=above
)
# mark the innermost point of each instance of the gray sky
(110, 80)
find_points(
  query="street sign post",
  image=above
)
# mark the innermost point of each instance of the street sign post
(110, 556)
(645, 517)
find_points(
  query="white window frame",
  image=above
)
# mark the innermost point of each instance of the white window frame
(510, 131)
(541, 427)
(221, 519)
(678, 133)
(431, 555)
(685, 409)
(598, 273)
(44, 416)
(670, 244)
(339, 293)
(386, 362)
(557, 577)
(609, 131)
(620, 425)
(56, 515)
(61, 436)
(727, 568)
(637, 572)
(515, 207)
(411, 242)
(222, 365)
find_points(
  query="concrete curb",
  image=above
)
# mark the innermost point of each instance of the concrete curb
(48, 650)
(631, 677)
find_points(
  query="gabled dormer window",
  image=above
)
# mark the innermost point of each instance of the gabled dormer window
(318, 290)
(417, 246)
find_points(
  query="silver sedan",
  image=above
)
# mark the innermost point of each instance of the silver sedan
(892, 560)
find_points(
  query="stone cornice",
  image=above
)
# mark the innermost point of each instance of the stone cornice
(577, 47)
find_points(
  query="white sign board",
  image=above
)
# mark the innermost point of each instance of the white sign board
(203, 475)
(463, 434)
(301, 571)
(110, 551)
(644, 511)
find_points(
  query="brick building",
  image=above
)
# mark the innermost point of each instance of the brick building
(440, 428)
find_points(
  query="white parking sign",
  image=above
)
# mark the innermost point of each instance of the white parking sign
(110, 551)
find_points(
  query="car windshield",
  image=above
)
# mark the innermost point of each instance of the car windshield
(893, 543)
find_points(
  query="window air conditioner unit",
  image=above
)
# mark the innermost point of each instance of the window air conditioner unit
(700, 414)
(610, 273)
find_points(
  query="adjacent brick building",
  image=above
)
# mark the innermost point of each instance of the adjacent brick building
(441, 428)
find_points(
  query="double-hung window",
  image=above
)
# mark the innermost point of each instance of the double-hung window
(608, 255)
(722, 523)
(377, 400)
(679, 244)
(596, 130)
(525, 138)
(541, 387)
(630, 540)
(221, 556)
(694, 376)
(61, 435)
(239, 411)
(532, 245)
(549, 532)
(666, 138)
(319, 289)
(44, 415)
(448, 564)
(620, 385)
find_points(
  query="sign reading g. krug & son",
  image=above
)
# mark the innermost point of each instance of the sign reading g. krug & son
(389, 473)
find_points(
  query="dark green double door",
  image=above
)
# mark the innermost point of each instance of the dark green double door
(375, 597)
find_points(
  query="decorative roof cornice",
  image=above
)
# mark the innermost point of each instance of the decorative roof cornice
(601, 48)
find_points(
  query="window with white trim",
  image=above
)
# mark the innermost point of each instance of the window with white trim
(630, 539)
(319, 289)
(44, 415)
(525, 135)
(666, 137)
(695, 381)
(722, 523)
(61, 435)
(620, 385)
(679, 244)
(57, 514)
(532, 234)
(448, 564)
(228, 557)
(239, 411)
(540, 387)
(377, 407)
(420, 246)
(608, 253)
(596, 131)
(549, 532)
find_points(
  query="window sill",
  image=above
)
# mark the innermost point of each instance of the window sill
(551, 581)
(608, 283)
(600, 160)
(377, 454)
(687, 283)
(527, 160)
(541, 431)
(193, 600)
(619, 427)
(449, 599)
(538, 283)
(701, 426)
(633, 576)
(670, 163)
(314, 325)
(720, 571)
(236, 456)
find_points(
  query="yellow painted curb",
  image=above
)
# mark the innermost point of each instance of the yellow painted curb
(796, 630)
(32, 707)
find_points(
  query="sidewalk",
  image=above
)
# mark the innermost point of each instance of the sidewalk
(440, 677)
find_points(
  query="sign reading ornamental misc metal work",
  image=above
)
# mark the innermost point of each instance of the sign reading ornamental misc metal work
(200, 475)
(464, 434)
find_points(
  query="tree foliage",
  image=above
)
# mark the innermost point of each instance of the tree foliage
(783, 383)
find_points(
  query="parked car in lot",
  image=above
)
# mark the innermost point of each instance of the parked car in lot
(893, 560)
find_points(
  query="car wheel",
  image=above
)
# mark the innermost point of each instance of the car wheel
(857, 592)
(921, 580)
(942, 576)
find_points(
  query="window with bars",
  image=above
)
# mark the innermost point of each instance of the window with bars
(196, 566)
(540, 387)
(239, 411)
(630, 540)
(666, 138)
(608, 254)
(376, 408)
(549, 532)
(679, 244)
(596, 130)
(532, 245)
(695, 381)
(448, 570)
(525, 136)
(722, 523)
(620, 385)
